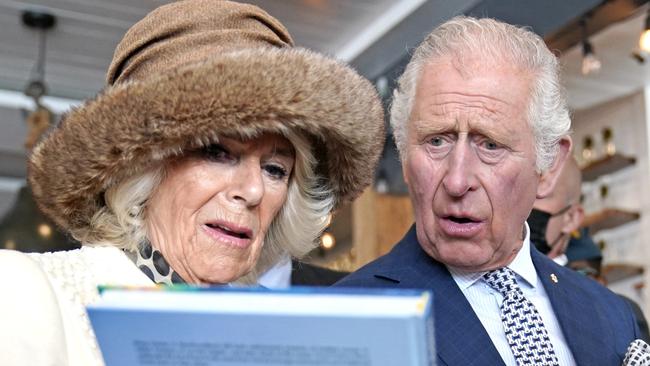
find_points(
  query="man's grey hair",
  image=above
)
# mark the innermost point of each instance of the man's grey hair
(304, 215)
(492, 41)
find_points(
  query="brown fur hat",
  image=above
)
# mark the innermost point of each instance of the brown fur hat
(189, 72)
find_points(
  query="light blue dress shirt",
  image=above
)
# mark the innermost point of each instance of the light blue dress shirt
(486, 303)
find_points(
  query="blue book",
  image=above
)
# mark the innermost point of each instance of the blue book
(202, 326)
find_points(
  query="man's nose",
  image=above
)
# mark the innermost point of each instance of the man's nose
(247, 186)
(460, 174)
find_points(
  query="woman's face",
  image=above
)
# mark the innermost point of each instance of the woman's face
(210, 214)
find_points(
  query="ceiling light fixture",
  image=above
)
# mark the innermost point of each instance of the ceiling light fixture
(590, 63)
(42, 22)
(644, 40)
(38, 120)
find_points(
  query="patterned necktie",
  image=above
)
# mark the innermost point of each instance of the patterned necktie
(523, 325)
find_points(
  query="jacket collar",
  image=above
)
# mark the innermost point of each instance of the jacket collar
(576, 312)
(411, 267)
(454, 319)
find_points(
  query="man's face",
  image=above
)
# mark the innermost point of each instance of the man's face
(470, 163)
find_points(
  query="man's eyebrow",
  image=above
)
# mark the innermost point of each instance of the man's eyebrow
(427, 127)
(506, 131)
(501, 135)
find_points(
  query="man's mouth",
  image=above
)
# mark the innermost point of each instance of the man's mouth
(461, 219)
(460, 226)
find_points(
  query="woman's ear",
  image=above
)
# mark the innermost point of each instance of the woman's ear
(549, 177)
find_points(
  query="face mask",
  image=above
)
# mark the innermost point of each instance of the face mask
(538, 222)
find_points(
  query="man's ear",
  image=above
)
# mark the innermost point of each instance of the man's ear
(404, 175)
(573, 219)
(549, 177)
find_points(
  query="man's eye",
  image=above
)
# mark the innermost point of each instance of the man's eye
(490, 145)
(276, 171)
(436, 141)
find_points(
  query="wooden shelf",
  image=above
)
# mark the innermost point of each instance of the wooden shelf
(609, 218)
(606, 165)
(618, 272)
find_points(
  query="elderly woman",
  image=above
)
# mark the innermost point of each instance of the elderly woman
(215, 149)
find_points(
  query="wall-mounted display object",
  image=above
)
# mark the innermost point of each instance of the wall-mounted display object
(587, 150)
(606, 165)
(608, 142)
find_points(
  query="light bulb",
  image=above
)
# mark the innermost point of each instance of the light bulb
(44, 230)
(590, 64)
(10, 244)
(644, 41)
(327, 241)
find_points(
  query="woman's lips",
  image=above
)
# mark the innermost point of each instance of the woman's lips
(460, 227)
(230, 234)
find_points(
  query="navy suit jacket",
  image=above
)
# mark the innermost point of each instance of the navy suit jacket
(597, 325)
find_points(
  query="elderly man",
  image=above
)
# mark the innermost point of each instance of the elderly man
(481, 126)
(557, 215)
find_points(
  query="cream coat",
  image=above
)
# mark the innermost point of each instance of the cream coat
(46, 322)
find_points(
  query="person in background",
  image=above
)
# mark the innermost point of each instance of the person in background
(216, 147)
(555, 231)
(559, 215)
(585, 257)
(482, 129)
(293, 272)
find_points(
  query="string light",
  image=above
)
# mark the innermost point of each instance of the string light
(10, 244)
(590, 63)
(44, 230)
(327, 241)
(644, 40)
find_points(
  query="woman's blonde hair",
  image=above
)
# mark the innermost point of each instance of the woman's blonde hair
(304, 215)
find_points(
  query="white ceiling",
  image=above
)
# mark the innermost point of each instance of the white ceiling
(81, 45)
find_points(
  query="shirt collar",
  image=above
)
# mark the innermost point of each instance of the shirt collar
(522, 265)
(278, 276)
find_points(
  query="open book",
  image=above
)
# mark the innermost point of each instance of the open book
(189, 326)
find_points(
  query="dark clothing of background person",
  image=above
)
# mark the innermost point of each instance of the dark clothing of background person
(305, 274)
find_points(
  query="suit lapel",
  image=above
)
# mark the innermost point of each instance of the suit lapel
(577, 313)
(460, 336)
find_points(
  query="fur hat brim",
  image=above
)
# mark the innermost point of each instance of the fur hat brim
(130, 126)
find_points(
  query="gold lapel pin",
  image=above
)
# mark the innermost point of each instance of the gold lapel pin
(553, 278)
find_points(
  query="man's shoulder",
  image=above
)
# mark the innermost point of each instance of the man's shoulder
(368, 275)
(400, 263)
(581, 285)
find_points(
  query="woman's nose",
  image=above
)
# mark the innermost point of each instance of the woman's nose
(247, 186)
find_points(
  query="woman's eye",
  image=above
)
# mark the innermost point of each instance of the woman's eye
(217, 152)
(276, 171)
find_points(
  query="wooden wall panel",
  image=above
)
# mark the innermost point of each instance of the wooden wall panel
(378, 222)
